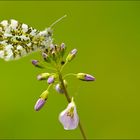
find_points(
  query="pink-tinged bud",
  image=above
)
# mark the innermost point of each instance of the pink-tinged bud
(39, 104)
(46, 57)
(74, 51)
(52, 46)
(35, 62)
(63, 46)
(41, 101)
(85, 77)
(43, 76)
(50, 80)
(59, 87)
(71, 55)
(62, 49)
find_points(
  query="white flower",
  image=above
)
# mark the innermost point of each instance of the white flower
(69, 117)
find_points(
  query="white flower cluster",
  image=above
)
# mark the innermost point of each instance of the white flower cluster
(18, 39)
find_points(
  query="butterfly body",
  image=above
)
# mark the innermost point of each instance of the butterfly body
(18, 39)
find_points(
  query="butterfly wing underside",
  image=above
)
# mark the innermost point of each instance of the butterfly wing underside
(18, 39)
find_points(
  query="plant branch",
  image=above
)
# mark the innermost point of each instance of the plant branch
(69, 100)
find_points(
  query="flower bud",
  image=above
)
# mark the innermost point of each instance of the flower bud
(39, 104)
(63, 46)
(46, 57)
(71, 55)
(54, 54)
(41, 101)
(50, 80)
(62, 49)
(43, 76)
(52, 46)
(85, 77)
(36, 63)
(59, 87)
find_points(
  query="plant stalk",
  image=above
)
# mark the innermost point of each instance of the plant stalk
(69, 100)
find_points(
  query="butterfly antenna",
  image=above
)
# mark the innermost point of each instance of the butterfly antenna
(57, 21)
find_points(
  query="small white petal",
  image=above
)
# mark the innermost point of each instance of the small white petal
(1, 54)
(43, 33)
(9, 55)
(4, 23)
(14, 24)
(19, 47)
(8, 35)
(33, 32)
(8, 47)
(3, 42)
(23, 37)
(29, 44)
(24, 28)
(7, 30)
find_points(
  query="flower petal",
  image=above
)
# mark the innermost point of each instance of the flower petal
(69, 121)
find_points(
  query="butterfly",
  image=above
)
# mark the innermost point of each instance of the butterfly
(19, 39)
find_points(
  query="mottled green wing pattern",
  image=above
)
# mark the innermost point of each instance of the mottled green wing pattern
(18, 39)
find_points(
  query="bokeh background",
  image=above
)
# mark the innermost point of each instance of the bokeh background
(107, 36)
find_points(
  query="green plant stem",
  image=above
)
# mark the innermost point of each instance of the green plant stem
(69, 100)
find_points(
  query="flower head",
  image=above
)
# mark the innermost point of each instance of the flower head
(69, 117)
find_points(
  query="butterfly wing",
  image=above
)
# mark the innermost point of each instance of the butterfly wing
(18, 39)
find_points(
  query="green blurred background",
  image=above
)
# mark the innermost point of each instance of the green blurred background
(107, 36)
